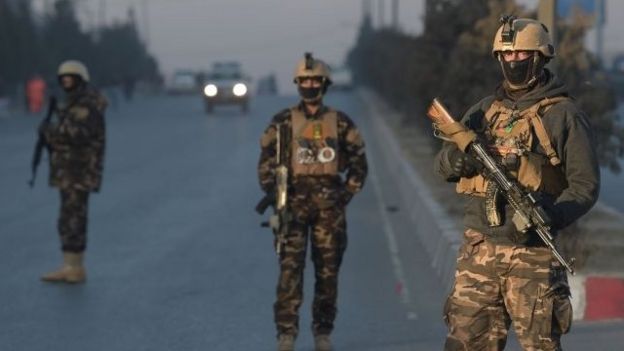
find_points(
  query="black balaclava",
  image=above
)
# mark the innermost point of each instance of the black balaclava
(310, 93)
(523, 74)
(313, 95)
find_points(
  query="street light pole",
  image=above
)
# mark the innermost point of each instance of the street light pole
(395, 15)
(546, 13)
(102, 14)
(380, 13)
(599, 23)
(146, 27)
(366, 8)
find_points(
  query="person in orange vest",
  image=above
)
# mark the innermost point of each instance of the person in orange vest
(35, 94)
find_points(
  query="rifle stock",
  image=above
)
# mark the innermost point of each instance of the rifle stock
(438, 114)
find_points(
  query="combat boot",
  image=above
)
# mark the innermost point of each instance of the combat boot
(71, 272)
(286, 342)
(322, 343)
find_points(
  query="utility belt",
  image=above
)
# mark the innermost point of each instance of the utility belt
(322, 191)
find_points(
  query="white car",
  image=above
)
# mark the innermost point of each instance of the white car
(226, 85)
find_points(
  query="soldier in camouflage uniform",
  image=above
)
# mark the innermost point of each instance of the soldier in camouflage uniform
(535, 130)
(76, 162)
(328, 166)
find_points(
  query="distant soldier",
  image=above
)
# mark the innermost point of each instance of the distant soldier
(539, 136)
(76, 140)
(324, 155)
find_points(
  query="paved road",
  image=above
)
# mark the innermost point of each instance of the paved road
(177, 260)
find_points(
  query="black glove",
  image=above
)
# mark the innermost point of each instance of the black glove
(266, 201)
(543, 216)
(549, 213)
(463, 164)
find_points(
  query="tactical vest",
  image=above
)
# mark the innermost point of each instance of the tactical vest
(510, 135)
(314, 144)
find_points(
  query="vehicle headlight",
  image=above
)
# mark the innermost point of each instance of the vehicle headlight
(239, 89)
(211, 90)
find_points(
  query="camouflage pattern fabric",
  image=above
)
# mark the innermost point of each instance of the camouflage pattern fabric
(327, 231)
(317, 205)
(72, 223)
(500, 285)
(77, 140)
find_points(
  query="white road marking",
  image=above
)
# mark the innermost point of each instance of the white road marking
(392, 243)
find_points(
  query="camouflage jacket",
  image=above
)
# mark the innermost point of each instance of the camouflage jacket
(353, 166)
(77, 141)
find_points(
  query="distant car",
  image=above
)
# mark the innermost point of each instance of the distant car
(183, 82)
(342, 79)
(226, 85)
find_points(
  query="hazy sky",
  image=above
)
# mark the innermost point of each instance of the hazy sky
(265, 35)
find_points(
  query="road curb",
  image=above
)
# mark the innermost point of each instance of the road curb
(435, 230)
(597, 298)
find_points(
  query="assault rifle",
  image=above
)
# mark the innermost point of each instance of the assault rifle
(280, 219)
(529, 215)
(41, 142)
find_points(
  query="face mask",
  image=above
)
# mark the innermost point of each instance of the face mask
(310, 93)
(518, 72)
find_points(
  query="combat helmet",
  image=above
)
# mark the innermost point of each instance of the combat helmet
(74, 67)
(523, 34)
(312, 67)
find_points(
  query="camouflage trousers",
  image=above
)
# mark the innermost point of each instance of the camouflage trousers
(72, 222)
(327, 231)
(497, 285)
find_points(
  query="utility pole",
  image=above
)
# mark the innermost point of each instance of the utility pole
(101, 14)
(380, 13)
(366, 9)
(599, 23)
(395, 15)
(547, 14)
(146, 27)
